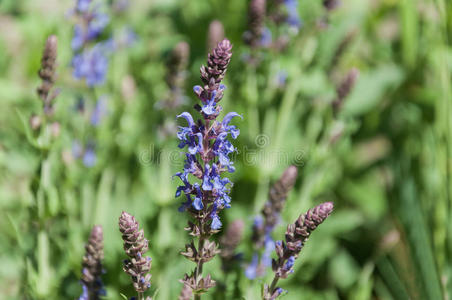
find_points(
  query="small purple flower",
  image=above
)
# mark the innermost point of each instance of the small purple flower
(89, 157)
(100, 110)
(279, 291)
(288, 266)
(266, 37)
(84, 295)
(251, 270)
(78, 39)
(216, 223)
(92, 65)
(97, 25)
(83, 5)
(293, 18)
(268, 250)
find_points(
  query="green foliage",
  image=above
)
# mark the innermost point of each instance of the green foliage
(384, 159)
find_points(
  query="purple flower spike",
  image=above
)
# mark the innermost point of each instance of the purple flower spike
(207, 157)
(296, 236)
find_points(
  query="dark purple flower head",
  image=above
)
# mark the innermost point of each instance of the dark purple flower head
(296, 236)
(48, 73)
(287, 252)
(92, 266)
(135, 245)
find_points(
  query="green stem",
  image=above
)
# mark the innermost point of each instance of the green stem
(273, 285)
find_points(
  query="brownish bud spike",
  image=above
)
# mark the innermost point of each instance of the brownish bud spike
(47, 71)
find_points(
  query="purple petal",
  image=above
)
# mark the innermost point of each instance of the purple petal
(229, 117)
(187, 116)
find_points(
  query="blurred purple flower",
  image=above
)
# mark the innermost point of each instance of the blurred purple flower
(92, 65)
(92, 25)
(83, 5)
(293, 18)
(266, 37)
(89, 157)
(100, 110)
(251, 270)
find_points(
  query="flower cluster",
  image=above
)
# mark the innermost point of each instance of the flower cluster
(207, 157)
(135, 245)
(90, 63)
(264, 225)
(296, 236)
(92, 266)
(208, 148)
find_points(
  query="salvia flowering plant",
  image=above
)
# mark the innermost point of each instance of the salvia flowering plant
(287, 251)
(207, 157)
(206, 191)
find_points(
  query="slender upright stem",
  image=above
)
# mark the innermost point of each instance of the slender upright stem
(273, 285)
(198, 270)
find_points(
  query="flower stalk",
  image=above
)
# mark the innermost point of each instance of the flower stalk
(287, 252)
(207, 157)
(135, 245)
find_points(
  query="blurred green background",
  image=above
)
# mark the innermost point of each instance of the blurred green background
(384, 160)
